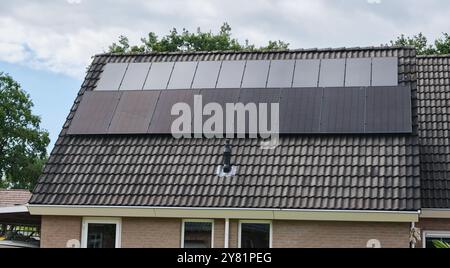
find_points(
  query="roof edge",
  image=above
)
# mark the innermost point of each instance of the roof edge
(433, 56)
(253, 51)
(233, 213)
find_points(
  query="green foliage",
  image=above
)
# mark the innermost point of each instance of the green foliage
(187, 41)
(441, 45)
(440, 244)
(22, 143)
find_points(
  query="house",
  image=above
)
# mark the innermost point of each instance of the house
(362, 157)
(17, 227)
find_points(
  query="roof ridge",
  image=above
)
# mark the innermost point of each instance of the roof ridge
(253, 51)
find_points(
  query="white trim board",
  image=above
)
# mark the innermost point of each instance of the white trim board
(231, 213)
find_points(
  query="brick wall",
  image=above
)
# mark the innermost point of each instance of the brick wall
(57, 230)
(151, 233)
(313, 234)
(442, 225)
(159, 232)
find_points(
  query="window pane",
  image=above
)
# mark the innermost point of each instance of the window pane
(429, 241)
(255, 235)
(197, 234)
(101, 235)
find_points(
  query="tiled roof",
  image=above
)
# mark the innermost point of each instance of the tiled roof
(10, 198)
(373, 172)
(434, 129)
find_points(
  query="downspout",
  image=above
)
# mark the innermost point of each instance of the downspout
(227, 231)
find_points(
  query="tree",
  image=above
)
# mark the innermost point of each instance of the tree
(22, 142)
(187, 41)
(441, 45)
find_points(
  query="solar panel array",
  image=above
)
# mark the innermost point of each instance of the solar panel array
(302, 110)
(351, 72)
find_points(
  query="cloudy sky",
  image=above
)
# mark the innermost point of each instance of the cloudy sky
(47, 44)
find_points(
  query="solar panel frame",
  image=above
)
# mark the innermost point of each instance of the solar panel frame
(281, 73)
(182, 75)
(306, 73)
(158, 75)
(385, 71)
(358, 72)
(256, 74)
(207, 74)
(135, 76)
(95, 112)
(134, 112)
(111, 77)
(332, 73)
(343, 110)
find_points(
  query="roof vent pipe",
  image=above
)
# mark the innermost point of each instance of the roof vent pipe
(227, 157)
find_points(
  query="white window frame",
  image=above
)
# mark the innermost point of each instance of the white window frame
(433, 234)
(197, 220)
(255, 221)
(100, 220)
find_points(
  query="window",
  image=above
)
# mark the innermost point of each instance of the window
(197, 234)
(255, 234)
(101, 233)
(430, 236)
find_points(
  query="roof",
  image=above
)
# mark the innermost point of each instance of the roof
(9, 198)
(433, 79)
(349, 171)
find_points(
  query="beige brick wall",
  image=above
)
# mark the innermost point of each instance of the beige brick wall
(312, 234)
(151, 233)
(159, 232)
(57, 230)
(433, 225)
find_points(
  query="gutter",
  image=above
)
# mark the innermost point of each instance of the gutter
(14, 209)
(431, 213)
(230, 213)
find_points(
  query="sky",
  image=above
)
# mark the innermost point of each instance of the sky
(46, 45)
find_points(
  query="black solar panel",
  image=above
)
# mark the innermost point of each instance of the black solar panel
(358, 72)
(281, 73)
(162, 119)
(134, 112)
(207, 74)
(95, 112)
(343, 110)
(112, 76)
(385, 71)
(332, 73)
(388, 110)
(182, 75)
(255, 74)
(231, 74)
(158, 76)
(306, 73)
(300, 110)
(135, 76)
(222, 97)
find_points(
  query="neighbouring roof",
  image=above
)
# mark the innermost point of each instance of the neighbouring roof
(334, 171)
(433, 80)
(9, 198)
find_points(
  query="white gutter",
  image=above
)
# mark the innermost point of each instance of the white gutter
(15, 209)
(441, 213)
(223, 213)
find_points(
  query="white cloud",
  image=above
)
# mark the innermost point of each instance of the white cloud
(61, 36)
